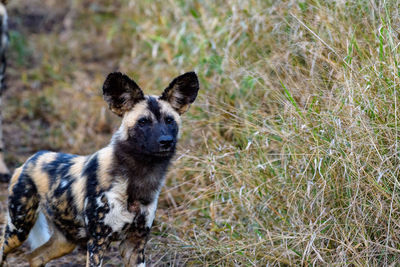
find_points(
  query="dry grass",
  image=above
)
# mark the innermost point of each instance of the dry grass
(290, 154)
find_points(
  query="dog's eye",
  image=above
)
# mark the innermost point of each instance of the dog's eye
(169, 120)
(144, 121)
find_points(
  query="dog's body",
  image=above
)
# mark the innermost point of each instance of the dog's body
(107, 196)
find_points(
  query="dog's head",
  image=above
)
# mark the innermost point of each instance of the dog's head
(150, 124)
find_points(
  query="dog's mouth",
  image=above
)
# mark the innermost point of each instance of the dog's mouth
(158, 154)
(162, 154)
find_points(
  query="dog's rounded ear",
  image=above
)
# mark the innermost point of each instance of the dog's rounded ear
(121, 93)
(182, 92)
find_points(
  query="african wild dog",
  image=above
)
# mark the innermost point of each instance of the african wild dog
(109, 195)
(4, 172)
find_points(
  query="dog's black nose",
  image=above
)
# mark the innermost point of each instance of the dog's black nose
(165, 141)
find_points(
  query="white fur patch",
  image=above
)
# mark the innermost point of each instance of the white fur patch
(64, 183)
(82, 233)
(40, 232)
(150, 212)
(3, 11)
(9, 223)
(3, 14)
(118, 215)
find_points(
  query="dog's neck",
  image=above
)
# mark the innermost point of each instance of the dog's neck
(145, 174)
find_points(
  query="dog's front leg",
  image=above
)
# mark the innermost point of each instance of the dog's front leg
(96, 248)
(132, 248)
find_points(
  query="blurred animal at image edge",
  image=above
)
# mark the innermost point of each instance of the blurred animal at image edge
(62, 200)
(4, 172)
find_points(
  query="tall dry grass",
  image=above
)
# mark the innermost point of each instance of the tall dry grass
(290, 154)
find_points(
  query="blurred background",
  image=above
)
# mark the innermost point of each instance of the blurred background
(289, 156)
